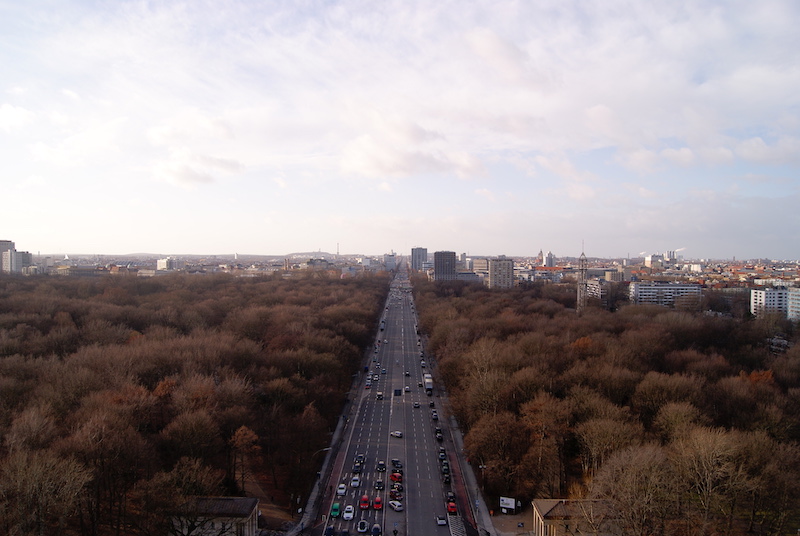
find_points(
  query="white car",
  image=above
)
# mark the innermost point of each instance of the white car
(356, 481)
(441, 520)
(396, 433)
(341, 490)
(363, 526)
(397, 506)
(349, 512)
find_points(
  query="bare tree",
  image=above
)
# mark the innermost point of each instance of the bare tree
(38, 489)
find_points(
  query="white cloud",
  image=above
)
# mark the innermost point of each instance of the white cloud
(787, 149)
(12, 117)
(486, 194)
(682, 157)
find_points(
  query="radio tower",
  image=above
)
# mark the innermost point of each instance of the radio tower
(583, 267)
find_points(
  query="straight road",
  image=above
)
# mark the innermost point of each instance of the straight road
(396, 370)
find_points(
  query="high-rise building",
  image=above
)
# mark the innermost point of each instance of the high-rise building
(769, 300)
(419, 256)
(444, 266)
(5, 245)
(793, 304)
(550, 260)
(501, 272)
(389, 261)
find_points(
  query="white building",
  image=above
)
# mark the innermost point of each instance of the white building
(793, 305)
(501, 272)
(664, 293)
(769, 300)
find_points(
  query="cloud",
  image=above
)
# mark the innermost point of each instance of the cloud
(187, 169)
(787, 149)
(12, 117)
(486, 194)
(682, 157)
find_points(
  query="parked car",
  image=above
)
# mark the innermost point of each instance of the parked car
(355, 481)
(396, 433)
(441, 520)
(341, 489)
(363, 526)
(451, 508)
(357, 467)
(336, 509)
(397, 506)
(381, 466)
(377, 503)
(349, 512)
(396, 477)
(379, 484)
(416, 404)
(397, 463)
(376, 530)
(363, 504)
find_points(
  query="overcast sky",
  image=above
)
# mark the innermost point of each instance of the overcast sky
(486, 127)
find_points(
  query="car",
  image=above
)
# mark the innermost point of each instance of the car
(377, 503)
(408, 388)
(385, 341)
(419, 384)
(355, 481)
(441, 520)
(349, 512)
(397, 463)
(396, 495)
(336, 509)
(376, 530)
(330, 530)
(396, 477)
(383, 371)
(379, 484)
(363, 526)
(446, 479)
(341, 490)
(381, 467)
(422, 364)
(363, 504)
(445, 469)
(357, 467)
(367, 385)
(451, 497)
(435, 416)
(431, 404)
(439, 437)
(451, 508)
(396, 433)
(408, 373)
(345, 532)
(397, 486)
(360, 458)
(416, 404)
(442, 453)
(397, 506)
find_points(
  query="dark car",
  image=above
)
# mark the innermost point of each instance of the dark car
(397, 463)
(356, 467)
(451, 497)
(376, 530)
(446, 479)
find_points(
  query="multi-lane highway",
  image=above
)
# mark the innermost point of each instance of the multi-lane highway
(391, 401)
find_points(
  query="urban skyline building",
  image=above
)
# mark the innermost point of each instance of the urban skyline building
(419, 256)
(501, 272)
(444, 266)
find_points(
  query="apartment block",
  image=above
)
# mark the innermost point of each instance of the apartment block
(667, 294)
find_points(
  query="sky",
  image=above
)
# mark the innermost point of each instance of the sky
(617, 128)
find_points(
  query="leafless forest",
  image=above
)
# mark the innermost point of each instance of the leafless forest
(122, 395)
(684, 422)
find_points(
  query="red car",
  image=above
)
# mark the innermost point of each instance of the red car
(364, 503)
(377, 504)
(396, 477)
(451, 508)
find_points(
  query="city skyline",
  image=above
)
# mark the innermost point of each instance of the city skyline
(481, 127)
